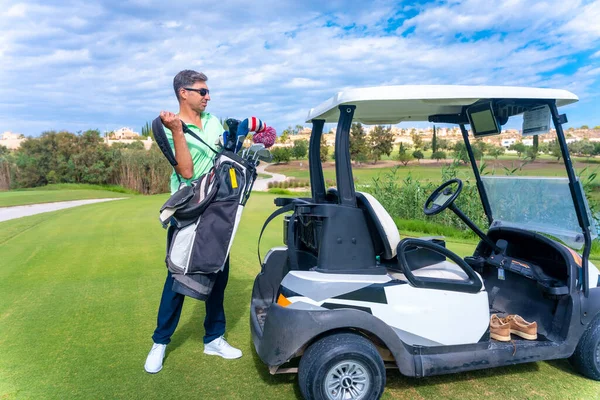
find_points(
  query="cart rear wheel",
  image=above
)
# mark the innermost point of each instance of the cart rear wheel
(342, 366)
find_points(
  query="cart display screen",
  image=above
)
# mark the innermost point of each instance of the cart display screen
(441, 199)
(482, 120)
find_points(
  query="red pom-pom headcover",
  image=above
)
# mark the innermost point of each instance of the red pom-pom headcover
(266, 137)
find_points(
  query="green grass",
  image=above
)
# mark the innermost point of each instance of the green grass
(60, 192)
(79, 291)
(433, 172)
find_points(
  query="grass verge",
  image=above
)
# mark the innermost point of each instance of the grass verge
(60, 192)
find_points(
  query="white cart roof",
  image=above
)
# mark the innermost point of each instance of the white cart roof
(393, 104)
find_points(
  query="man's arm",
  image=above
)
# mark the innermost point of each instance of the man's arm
(184, 166)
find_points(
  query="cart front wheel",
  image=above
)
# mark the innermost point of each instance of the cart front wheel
(343, 366)
(586, 358)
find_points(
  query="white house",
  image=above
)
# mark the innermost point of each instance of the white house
(508, 142)
(10, 136)
(125, 133)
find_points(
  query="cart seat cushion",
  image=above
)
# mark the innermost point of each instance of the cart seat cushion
(382, 222)
(443, 270)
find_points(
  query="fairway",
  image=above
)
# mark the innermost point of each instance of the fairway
(79, 291)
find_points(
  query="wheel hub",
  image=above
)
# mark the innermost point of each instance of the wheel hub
(347, 380)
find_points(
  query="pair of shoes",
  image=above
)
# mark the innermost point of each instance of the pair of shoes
(501, 328)
(154, 361)
(520, 327)
(220, 347)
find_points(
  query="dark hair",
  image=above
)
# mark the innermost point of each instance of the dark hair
(187, 78)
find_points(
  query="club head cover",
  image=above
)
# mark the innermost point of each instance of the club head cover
(266, 137)
(249, 125)
(230, 136)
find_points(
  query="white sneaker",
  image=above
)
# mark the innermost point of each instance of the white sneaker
(220, 347)
(154, 360)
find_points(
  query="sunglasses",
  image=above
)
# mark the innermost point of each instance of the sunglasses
(201, 91)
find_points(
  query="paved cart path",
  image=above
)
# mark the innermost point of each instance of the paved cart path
(262, 184)
(8, 213)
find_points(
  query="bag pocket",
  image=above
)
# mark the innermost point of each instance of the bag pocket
(181, 248)
(214, 233)
(232, 182)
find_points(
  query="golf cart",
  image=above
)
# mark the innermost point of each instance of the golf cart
(347, 296)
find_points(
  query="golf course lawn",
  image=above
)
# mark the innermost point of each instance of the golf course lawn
(79, 291)
(53, 193)
(432, 171)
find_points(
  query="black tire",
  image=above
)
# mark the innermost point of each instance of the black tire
(586, 358)
(323, 356)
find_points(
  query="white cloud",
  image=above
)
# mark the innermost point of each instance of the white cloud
(114, 65)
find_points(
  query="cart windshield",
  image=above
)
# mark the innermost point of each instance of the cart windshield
(540, 204)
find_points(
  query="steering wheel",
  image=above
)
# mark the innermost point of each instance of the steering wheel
(442, 197)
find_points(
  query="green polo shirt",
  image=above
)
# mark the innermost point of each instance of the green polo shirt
(202, 157)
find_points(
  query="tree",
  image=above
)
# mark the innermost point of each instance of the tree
(597, 127)
(555, 150)
(416, 139)
(297, 129)
(285, 137)
(533, 151)
(358, 143)
(147, 130)
(461, 154)
(381, 142)
(496, 151)
(324, 150)
(438, 155)
(480, 146)
(300, 149)
(582, 147)
(434, 146)
(519, 147)
(584, 127)
(442, 144)
(281, 155)
(403, 156)
(4, 150)
(418, 154)
(65, 157)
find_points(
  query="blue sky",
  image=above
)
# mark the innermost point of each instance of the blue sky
(78, 65)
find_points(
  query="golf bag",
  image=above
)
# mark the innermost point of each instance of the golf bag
(203, 217)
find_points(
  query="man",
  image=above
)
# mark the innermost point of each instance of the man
(193, 160)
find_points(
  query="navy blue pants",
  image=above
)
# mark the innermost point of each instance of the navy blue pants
(171, 304)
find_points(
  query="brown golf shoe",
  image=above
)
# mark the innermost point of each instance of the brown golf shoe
(520, 327)
(499, 330)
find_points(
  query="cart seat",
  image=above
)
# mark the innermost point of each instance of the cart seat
(442, 270)
(381, 225)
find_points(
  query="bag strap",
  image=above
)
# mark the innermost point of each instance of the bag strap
(162, 142)
(191, 133)
(284, 209)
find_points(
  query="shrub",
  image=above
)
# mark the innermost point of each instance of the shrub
(281, 155)
(280, 191)
(406, 200)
